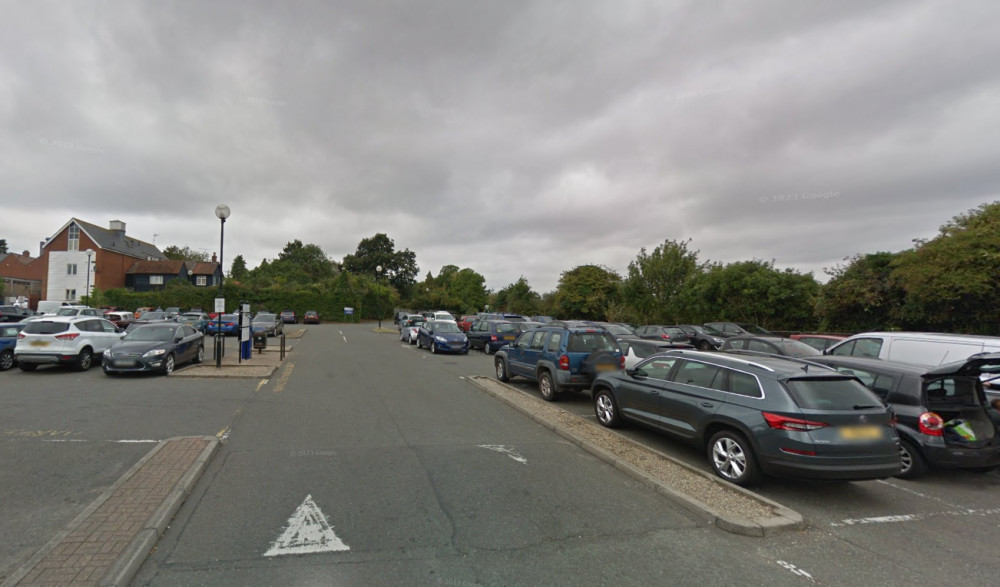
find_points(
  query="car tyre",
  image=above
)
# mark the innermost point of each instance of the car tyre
(705, 345)
(26, 366)
(168, 364)
(487, 348)
(434, 348)
(6, 359)
(914, 464)
(420, 345)
(732, 458)
(606, 408)
(199, 357)
(501, 368)
(84, 361)
(546, 387)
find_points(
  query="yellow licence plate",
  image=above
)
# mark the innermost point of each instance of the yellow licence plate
(508, 337)
(605, 367)
(39, 343)
(861, 432)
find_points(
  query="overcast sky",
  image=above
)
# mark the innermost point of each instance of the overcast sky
(512, 137)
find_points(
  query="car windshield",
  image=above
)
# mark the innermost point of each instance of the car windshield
(153, 316)
(829, 393)
(588, 342)
(706, 330)
(618, 329)
(45, 327)
(506, 327)
(754, 329)
(794, 348)
(68, 312)
(263, 317)
(446, 327)
(148, 333)
(190, 316)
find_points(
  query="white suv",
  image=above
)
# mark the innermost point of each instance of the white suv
(66, 340)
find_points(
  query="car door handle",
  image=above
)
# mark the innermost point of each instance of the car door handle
(707, 404)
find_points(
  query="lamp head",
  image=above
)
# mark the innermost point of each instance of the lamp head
(222, 211)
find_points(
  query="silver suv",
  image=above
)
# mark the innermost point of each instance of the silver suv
(64, 340)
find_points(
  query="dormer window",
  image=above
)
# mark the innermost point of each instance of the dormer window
(73, 235)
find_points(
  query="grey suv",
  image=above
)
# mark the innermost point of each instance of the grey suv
(755, 416)
(559, 358)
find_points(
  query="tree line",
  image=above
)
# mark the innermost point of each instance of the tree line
(947, 283)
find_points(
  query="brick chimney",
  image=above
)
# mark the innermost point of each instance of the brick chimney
(214, 258)
(117, 227)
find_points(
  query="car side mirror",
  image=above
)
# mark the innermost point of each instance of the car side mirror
(178, 338)
(630, 372)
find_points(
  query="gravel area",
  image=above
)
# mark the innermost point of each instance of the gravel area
(697, 487)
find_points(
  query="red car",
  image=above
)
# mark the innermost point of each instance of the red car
(466, 322)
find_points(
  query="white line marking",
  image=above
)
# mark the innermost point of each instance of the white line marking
(507, 451)
(262, 383)
(345, 339)
(913, 517)
(308, 531)
(918, 494)
(796, 570)
(64, 440)
(136, 441)
(126, 441)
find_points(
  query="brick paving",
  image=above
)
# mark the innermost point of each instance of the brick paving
(87, 553)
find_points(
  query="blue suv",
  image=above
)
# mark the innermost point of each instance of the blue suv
(559, 358)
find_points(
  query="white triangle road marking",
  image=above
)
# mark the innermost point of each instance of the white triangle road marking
(308, 531)
(507, 451)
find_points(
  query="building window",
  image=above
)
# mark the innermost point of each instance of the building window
(74, 238)
(70, 294)
(71, 269)
(155, 280)
(201, 280)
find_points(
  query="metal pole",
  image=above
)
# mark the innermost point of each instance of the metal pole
(87, 291)
(218, 333)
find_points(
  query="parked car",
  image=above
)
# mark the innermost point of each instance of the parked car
(941, 412)
(140, 311)
(14, 313)
(196, 320)
(268, 322)
(172, 312)
(559, 358)
(408, 329)
(755, 416)
(657, 332)
(445, 316)
(923, 348)
(229, 325)
(119, 319)
(64, 340)
(820, 342)
(490, 335)
(310, 317)
(728, 329)
(442, 336)
(79, 311)
(8, 340)
(154, 347)
(526, 326)
(403, 320)
(704, 338)
(616, 330)
(637, 349)
(542, 319)
(467, 321)
(289, 317)
(784, 347)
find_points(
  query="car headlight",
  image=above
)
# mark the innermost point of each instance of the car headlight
(153, 353)
(107, 352)
(440, 339)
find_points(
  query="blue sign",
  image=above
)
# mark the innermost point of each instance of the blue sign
(348, 311)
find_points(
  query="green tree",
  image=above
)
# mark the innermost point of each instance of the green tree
(755, 291)
(469, 288)
(952, 282)
(861, 295)
(517, 298)
(588, 292)
(399, 267)
(184, 253)
(238, 270)
(656, 289)
(3, 246)
(309, 259)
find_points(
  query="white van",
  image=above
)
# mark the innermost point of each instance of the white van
(922, 348)
(51, 306)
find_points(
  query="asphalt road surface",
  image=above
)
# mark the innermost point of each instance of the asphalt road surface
(364, 461)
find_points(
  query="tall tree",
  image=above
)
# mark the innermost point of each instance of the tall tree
(184, 253)
(399, 267)
(238, 270)
(861, 295)
(755, 291)
(657, 283)
(588, 292)
(517, 298)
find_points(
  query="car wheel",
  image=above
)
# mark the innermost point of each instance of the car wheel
(501, 368)
(84, 361)
(26, 366)
(732, 458)
(420, 345)
(200, 355)
(411, 341)
(487, 348)
(168, 364)
(545, 387)
(434, 348)
(6, 359)
(705, 345)
(913, 462)
(606, 409)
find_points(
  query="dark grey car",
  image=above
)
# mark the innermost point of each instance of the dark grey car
(270, 323)
(155, 347)
(759, 415)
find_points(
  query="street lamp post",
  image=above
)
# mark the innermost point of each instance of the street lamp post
(378, 293)
(222, 212)
(90, 255)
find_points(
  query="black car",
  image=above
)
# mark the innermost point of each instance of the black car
(756, 415)
(155, 347)
(783, 347)
(704, 338)
(942, 412)
(490, 335)
(14, 314)
(664, 333)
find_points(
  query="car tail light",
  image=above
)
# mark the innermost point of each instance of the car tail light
(21, 335)
(786, 423)
(493, 338)
(665, 336)
(795, 451)
(564, 363)
(621, 361)
(931, 424)
(67, 336)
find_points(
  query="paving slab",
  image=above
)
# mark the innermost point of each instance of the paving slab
(108, 542)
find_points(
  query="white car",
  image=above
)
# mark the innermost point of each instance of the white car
(64, 340)
(408, 329)
(446, 316)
